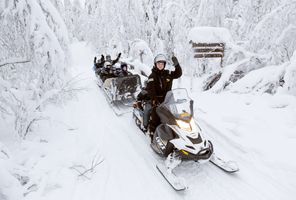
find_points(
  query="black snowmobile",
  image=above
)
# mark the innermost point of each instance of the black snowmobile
(120, 91)
(179, 137)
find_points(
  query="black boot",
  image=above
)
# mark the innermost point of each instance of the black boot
(151, 136)
(151, 131)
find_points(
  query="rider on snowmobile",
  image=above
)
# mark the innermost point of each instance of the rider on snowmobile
(107, 71)
(159, 83)
(113, 62)
(123, 70)
(99, 64)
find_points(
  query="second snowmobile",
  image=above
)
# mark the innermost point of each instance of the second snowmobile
(119, 90)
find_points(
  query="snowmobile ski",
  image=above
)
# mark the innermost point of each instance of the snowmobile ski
(227, 166)
(120, 109)
(176, 182)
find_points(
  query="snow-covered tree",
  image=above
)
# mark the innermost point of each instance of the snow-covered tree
(34, 47)
(212, 13)
(58, 4)
(269, 31)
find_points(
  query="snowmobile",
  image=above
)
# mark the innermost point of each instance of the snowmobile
(120, 91)
(179, 137)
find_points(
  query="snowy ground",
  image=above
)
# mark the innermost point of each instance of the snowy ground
(259, 132)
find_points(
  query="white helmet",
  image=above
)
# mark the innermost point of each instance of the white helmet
(108, 64)
(108, 58)
(160, 58)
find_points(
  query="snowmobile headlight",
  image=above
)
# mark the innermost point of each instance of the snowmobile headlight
(193, 125)
(184, 125)
(185, 152)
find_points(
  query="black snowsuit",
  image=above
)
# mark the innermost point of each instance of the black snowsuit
(98, 65)
(113, 62)
(159, 83)
(104, 72)
(122, 73)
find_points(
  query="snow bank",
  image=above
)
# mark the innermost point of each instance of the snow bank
(10, 188)
(209, 35)
(262, 80)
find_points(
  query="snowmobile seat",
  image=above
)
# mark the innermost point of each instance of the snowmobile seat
(127, 84)
(105, 74)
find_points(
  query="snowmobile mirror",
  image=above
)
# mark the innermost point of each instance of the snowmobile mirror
(191, 107)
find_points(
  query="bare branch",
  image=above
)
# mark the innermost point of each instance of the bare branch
(30, 124)
(287, 52)
(30, 189)
(4, 152)
(16, 62)
(75, 167)
(82, 170)
(92, 168)
(3, 110)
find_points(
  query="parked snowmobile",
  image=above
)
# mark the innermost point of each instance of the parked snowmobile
(120, 91)
(179, 137)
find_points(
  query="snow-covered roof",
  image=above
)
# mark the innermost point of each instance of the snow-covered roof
(206, 34)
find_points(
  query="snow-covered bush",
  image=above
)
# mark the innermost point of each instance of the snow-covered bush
(285, 45)
(290, 76)
(256, 82)
(140, 50)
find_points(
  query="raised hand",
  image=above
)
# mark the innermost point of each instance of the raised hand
(175, 60)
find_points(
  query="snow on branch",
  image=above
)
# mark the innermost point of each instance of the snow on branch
(14, 61)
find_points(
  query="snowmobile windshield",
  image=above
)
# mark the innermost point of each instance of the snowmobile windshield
(178, 103)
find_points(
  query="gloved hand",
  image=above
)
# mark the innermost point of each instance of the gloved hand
(175, 60)
(102, 58)
(135, 104)
(95, 60)
(154, 103)
(138, 104)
